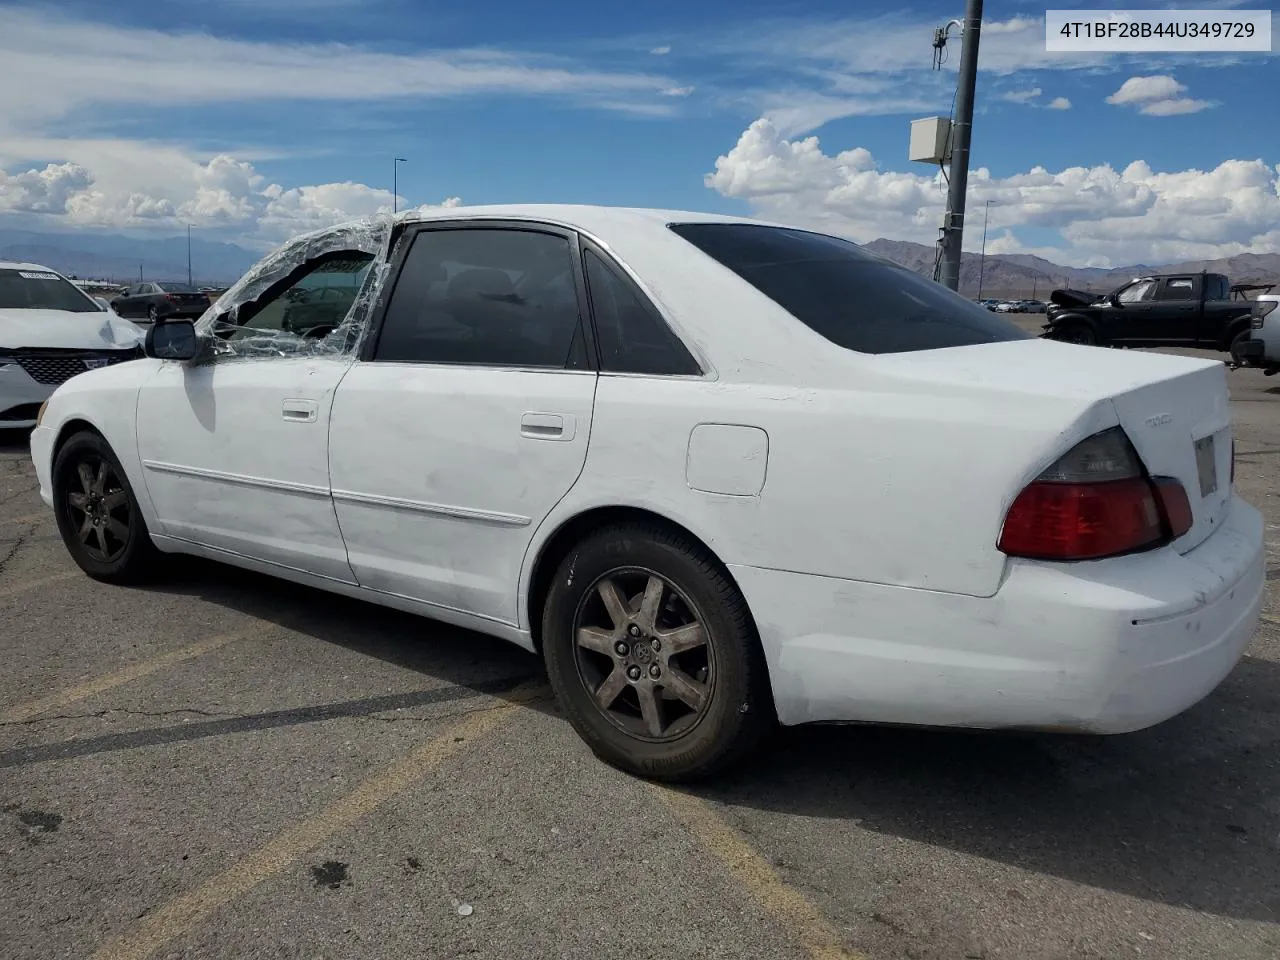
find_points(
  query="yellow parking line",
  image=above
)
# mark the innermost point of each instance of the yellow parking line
(29, 518)
(26, 585)
(62, 698)
(187, 909)
(816, 935)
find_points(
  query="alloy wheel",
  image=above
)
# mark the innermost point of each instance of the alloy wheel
(99, 510)
(644, 655)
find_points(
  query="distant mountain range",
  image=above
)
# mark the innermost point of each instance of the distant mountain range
(123, 259)
(103, 256)
(1023, 275)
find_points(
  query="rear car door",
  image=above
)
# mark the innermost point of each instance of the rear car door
(1176, 316)
(235, 449)
(467, 417)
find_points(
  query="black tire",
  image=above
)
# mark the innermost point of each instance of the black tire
(737, 708)
(1234, 346)
(1080, 333)
(117, 549)
(153, 314)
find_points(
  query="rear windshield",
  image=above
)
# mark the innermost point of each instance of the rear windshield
(852, 298)
(41, 290)
(177, 288)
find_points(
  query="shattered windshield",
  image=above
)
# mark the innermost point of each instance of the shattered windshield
(40, 290)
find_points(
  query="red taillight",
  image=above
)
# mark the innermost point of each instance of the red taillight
(171, 298)
(1095, 502)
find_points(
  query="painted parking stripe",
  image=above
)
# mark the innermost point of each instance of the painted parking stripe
(24, 586)
(815, 934)
(161, 927)
(135, 671)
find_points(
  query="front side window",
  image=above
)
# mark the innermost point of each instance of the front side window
(631, 335)
(41, 290)
(837, 289)
(309, 303)
(485, 296)
(1137, 292)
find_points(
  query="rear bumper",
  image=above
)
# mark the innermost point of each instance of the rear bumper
(1103, 647)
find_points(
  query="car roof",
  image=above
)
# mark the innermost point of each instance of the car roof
(16, 265)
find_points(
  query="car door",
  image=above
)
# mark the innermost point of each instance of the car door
(467, 417)
(1176, 311)
(1131, 321)
(126, 304)
(235, 450)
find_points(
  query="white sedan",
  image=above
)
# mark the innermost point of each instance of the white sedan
(50, 331)
(719, 473)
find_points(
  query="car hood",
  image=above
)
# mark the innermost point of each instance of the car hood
(1066, 297)
(60, 329)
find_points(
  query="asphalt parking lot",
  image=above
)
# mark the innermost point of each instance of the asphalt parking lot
(231, 766)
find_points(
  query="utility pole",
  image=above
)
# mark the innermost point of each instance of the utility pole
(189, 283)
(961, 131)
(982, 262)
(395, 182)
(139, 273)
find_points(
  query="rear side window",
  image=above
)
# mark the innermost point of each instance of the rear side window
(632, 337)
(1177, 288)
(840, 291)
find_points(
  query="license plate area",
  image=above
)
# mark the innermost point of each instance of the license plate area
(1207, 466)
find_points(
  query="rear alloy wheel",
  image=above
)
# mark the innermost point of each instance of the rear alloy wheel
(153, 314)
(97, 514)
(1237, 343)
(653, 655)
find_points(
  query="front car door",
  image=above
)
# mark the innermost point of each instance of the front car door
(235, 445)
(1132, 319)
(127, 303)
(467, 417)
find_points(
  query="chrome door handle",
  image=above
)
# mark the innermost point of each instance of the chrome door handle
(300, 411)
(547, 426)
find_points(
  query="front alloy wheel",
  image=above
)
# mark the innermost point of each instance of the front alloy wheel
(97, 513)
(100, 508)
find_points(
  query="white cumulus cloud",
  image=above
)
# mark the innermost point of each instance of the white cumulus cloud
(1123, 216)
(1157, 96)
(1059, 103)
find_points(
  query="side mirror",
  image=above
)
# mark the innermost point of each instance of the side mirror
(1114, 300)
(172, 340)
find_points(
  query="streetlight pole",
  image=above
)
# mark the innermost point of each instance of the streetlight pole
(961, 132)
(189, 280)
(395, 182)
(982, 261)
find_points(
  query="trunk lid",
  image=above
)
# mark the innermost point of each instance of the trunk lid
(1174, 409)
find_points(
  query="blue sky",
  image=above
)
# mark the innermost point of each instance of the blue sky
(253, 119)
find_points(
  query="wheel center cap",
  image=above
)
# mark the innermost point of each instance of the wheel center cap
(641, 651)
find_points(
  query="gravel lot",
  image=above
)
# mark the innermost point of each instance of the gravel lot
(231, 766)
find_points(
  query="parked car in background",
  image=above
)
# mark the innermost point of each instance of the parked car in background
(50, 331)
(694, 462)
(161, 300)
(1034, 306)
(1165, 310)
(1262, 349)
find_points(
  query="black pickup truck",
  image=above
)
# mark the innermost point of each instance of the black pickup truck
(1169, 310)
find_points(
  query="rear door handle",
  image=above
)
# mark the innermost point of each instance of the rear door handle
(548, 426)
(300, 411)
